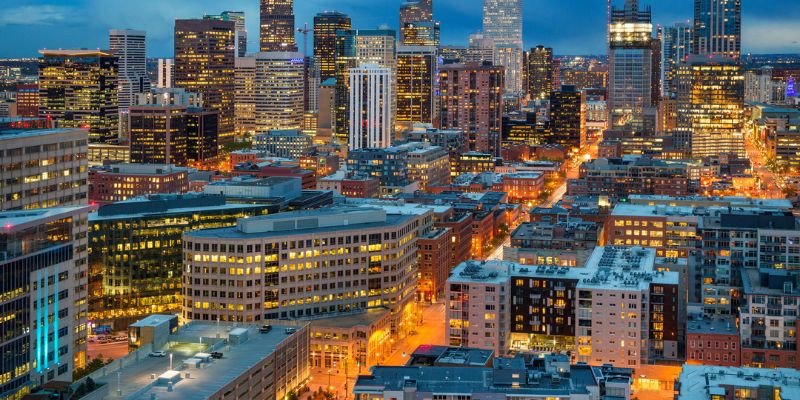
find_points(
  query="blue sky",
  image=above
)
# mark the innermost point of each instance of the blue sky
(569, 26)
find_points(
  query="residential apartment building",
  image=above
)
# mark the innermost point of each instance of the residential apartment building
(620, 177)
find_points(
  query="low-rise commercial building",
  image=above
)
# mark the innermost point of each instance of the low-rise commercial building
(713, 341)
(435, 262)
(135, 256)
(350, 184)
(120, 182)
(621, 177)
(328, 263)
(700, 382)
(441, 372)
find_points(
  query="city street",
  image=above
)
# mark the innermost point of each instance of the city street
(112, 350)
(431, 330)
(770, 183)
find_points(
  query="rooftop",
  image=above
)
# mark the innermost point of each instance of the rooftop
(329, 219)
(27, 133)
(153, 320)
(14, 220)
(700, 382)
(708, 325)
(166, 204)
(135, 379)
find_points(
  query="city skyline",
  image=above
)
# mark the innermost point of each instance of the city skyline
(767, 28)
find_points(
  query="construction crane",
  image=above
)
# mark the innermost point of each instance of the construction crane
(305, 31)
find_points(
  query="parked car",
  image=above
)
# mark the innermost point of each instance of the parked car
(290, 331)
(216, 354)
(265, 328)
(158, 353)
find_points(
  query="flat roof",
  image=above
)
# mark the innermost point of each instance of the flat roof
(698, 382)
(361, 318)
(708, 325)
(136, 383)
(154, 320)
(13, 220)
(26, 133)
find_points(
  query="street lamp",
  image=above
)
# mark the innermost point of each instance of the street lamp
(170, 361)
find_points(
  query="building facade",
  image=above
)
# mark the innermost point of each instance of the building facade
(325, 26)
(129, 48)
(416, 83)
(120, 182)
(44, 280)
(372, 112)
(277, 25)
(205, 64)
(135, 252)
(471, 99)
(78, 89)
(43, 168)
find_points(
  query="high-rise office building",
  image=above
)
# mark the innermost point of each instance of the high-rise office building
(540, 72)
(245, 95)
(325, 26)
(279, 86)
(718, 27)
(129, 48)
(205, 64)
(416, 83)
(630, 59)
(711, 105)
(277, 25)
(371, 107)
(78, 89)
(568, 117)
(354, 48)
(416, 11)
(44, 168)
(676, 45)
(240, 32)
(481, 48)
(169, 126)
(165, 73)
(420, 33)
(502, 21)
(43, 275)
(471, 99)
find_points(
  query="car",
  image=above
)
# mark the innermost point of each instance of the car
(265, 328)
(290, 331)
(216, 354)
(158, 353)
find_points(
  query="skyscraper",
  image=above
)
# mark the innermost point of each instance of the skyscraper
(471, 99)
(279, 86)
(325, 26)
(481, 48)
(78, 89)
(718, 27)
(568, 117)
(416, 11)
(354, 48)
(129, 48)
(240, 29)
(630, 75)
(711, 105)
(245, 95)
(277, 25)
(502, 21)
(205, 64)
(371, 107)
(416, 83)
(540, 72)
(676, 45)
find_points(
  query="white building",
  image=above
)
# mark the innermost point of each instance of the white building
(502, 21)
(165, 73)
(279, 90)
(371, 107)
(129, 47)
(244, 107)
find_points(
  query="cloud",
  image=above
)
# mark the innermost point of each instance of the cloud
(34, 15)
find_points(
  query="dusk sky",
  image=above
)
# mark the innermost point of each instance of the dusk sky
(569, 26)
